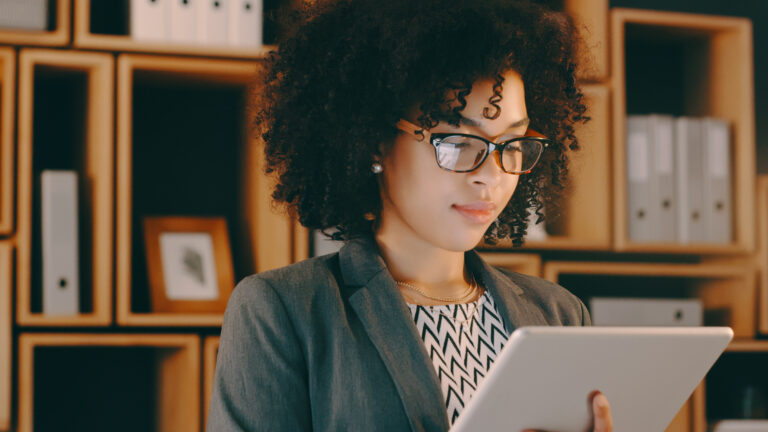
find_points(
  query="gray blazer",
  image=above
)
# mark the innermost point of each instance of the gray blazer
(328, 344)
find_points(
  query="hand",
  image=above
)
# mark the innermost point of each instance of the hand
(601, 414)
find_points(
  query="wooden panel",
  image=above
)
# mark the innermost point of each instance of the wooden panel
(96, 179)
(529, 264)
(57, 37)
(728, 43)
(6, 342)
(210, 352)
(761, 256)
(7, 110)
(682, 421)
(177, 368)
(727, 291)
(592, 18)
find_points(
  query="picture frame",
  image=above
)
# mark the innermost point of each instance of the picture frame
(189, 264)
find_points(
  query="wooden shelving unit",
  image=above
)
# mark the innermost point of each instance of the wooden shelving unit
(585, 221)
(761, 257)
(7, 86)
(170, 106)
(158, 376)
(742, 365)
(210, 352)
(727, 291)
(529, 264)
(6, 335)
(56, 36)
(65, 115)
(120, 40)
(714, 55)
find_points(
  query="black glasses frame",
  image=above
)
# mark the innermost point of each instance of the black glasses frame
(490, 146)
(436, 138)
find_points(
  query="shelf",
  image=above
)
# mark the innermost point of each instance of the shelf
(529, 264)
(737, 377)
(6, 336)
(65, 121)
(583, 221)
(210, 352)
(184, 149)
(102, 25)
(68, 382)
(762, 253)
(57, 35)
(727, 291)
(707, 71)
(7, 109)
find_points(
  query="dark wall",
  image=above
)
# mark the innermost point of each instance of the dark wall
(757, 11)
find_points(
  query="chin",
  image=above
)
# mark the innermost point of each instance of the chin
(461, 240)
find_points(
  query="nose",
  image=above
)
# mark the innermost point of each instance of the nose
(489, 173)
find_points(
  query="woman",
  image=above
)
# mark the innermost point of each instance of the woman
(412, 129)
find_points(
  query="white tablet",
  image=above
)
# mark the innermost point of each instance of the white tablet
(543, 376)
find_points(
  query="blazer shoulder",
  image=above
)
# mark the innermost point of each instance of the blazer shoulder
(297, 285)
(561, 305)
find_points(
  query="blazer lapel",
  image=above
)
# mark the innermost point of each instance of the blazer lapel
(374, 296)
(380, 306)
(515, 308)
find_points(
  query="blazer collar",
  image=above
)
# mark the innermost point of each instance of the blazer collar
(375, 298)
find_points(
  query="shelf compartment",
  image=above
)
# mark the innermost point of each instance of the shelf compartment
(56, 35)
(67, 382)
(762, 252)
(65, 121)
(529, 264)
(184, 149)
(7, 109)
(210, 352)
(6, 335)
(583, 221)
(113, 33)
(708, 71)
(727, 291)
(741, 366)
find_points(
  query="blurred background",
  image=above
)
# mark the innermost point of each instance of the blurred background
(129, 176)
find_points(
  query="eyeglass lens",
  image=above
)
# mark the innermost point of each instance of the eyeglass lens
(460, 153)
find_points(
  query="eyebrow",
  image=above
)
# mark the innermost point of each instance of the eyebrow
(525, 121)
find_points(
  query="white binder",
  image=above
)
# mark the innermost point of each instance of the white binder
(214, 21)
(150, 20)
(691, 222)
(663, 196)
(606, 311)
(717, 183)
(535, 232)
(60, 242)
(322, 245)
(24, 14)
(640, 218)
(246, 23)
(185, 15)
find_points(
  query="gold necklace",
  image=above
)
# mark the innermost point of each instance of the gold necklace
(464, 295)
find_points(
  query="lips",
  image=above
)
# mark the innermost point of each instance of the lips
(478, 212)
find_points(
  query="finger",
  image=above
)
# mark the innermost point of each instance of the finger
(602, 413)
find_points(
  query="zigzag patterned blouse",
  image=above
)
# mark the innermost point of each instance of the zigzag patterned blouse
(462, 354)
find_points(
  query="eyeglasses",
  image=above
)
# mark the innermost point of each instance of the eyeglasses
(459, 152)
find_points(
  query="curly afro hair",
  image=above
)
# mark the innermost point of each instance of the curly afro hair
(348, 70)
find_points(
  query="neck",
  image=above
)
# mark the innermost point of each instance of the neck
(436, 271)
